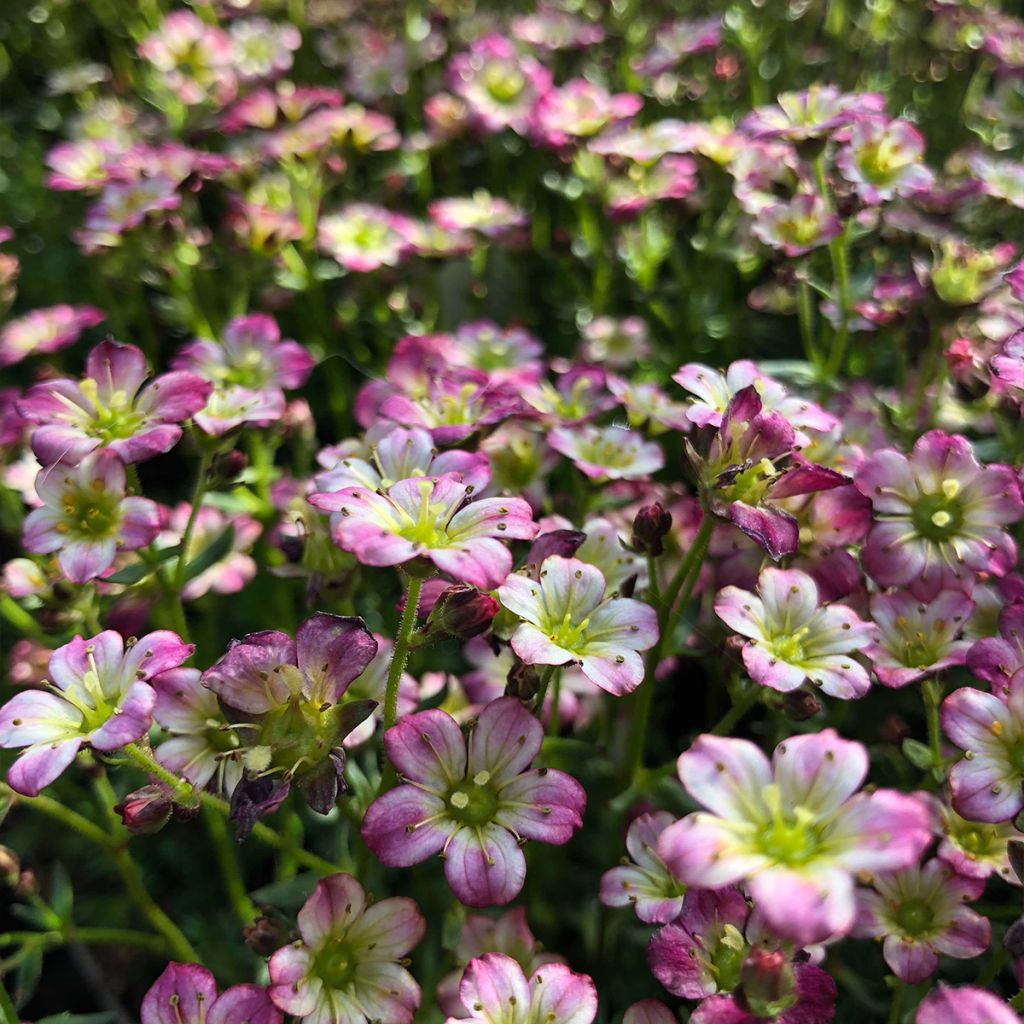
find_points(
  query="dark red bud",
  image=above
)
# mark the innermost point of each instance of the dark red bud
(461, 612)
(227, 467)
(557, 542)
(523, 682)
(265, 936)
(650, 527)
(146, 810)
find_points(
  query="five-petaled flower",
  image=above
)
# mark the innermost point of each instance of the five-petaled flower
(187, 994)
(99, 695)
(473, 802)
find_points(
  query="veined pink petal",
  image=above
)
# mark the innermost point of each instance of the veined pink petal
(819, 771)
(428, 748)
(183, 994)
(726, 775)
(396, 826)
(505, 739)
(336, 902)
(485, 866)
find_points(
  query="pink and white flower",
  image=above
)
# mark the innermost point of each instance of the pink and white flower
(194, 59)
(882, 159)
(795, 830)
(919, 913)
(608, 453)
(363, 237)
(939, 514)
(431, 518)
(916, 638)
(474, 802)
(567, 618)
(347, 965)
(964, 1005)
(578, 110)
(187, 994)
(43, 331)
(109, 409)
(99, 696)
(797, 226)
(646, 884)
(793, 637)
(495, 988)
(85, 516)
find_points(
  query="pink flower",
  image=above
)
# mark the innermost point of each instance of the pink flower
(811, 114)
(490, 217)
(882, 159)
(795, 829)
(996, 659)
(569, 619)
(916, 638)
(615, 343)
(939, 514)
(608, 453)
(262, 49)
(498, 83)
(578, 110)
(797, 226)
(496, 989)
(124, 205)
(100, 695)
(509, 934)
(646, 884)
(964, 1005)
(975, 849)
(433, 518)
(346, 966)
(919, 912)
(715, 390)
(187, 994)
(194, 58)
(649, 1011)
(989, 728)
(43, 331)
(363, 237)
(86, 517)
(473, 802)
(794, 638)
(109, 409)
(203, 747)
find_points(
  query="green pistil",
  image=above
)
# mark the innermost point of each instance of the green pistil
(503, 82)
(474, 801)
(335, 964)
(114, 421)
(726, 958)
(939, 516)
(789, 836)
(605, 453)
(790, 647)
(567, 634)
(89, 513)
(915, 917)
(455, 410)
(426, 530)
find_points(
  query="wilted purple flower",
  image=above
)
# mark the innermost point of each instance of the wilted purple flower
(917, 638)
(795, 829)
(109, 409)
(495, 988)
(363, 237)
(43, 331)
(569, 619)
(608, 453)
(939, 514)
(347, 966)
(989, 729)
(434, 518)
(475, 806)
(498, 83)
(296, 687)
(793, 638)
(882, 159)
(100, 696)
(645, 884)
(187, 994)
(578, 110)
(85, 516)
(920, 913)
(964, 1005)
(751, 461)
(509, 934)
(203, 747)
(193, 58)
(797, 226)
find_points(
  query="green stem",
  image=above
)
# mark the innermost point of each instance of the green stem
(542, 690)
(91, 937)
(217, 830)
(695, 557)
(183, 790)
(805, 312)
(202, 478)
(840, 278)
(932, 691)
(181, 949)
(401, 652)
(556, 692)
(894, 1006)
(735, 714)
(53, 809)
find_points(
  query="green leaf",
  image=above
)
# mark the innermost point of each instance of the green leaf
(212, 554)
(26, 977)
(8, 1015)
(61, 894)
(138, 571)
(918, 754)
(288, 894)
(78, 1018)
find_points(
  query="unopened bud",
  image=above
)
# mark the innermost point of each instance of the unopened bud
(523, 682)
(799, 705)
(767, 983)
(461, 611)
(146, 810)
(556, 542)
(227, 467)
(650, 527)
(10, 866)
(1015, 852)
(265, 935)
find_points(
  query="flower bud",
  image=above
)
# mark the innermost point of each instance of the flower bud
(265, 935)
(523, 682)
(556, 542)
(1015, 852)
(461, 611)
(146, 810)
(10, 866)
(650, 527)
(767, 983)
(227, 467)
